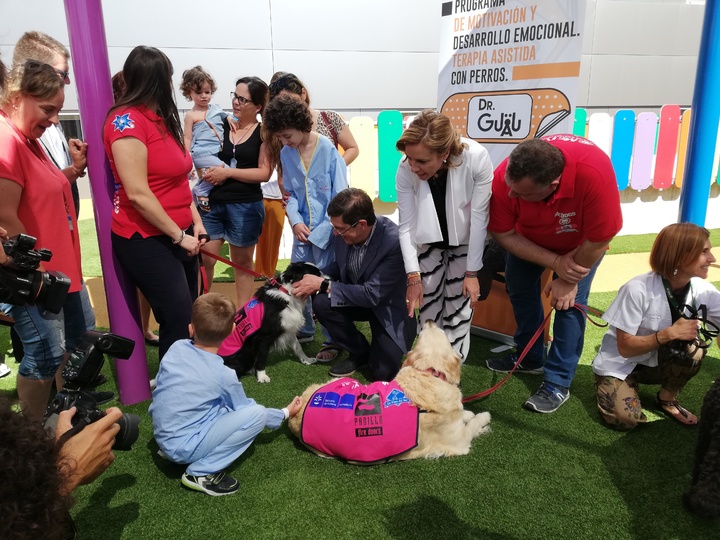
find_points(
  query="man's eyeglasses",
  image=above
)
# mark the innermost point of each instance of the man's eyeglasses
(240, 99)
(63, 74)
(342, 233)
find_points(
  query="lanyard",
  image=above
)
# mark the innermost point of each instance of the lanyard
(680, 309)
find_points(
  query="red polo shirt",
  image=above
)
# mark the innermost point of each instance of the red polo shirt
(167, 169)
(585, 206)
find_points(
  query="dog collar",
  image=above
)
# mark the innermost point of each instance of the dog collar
(275, 283)
(435, 373)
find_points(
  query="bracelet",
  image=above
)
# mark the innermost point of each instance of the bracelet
(657, 338)
(182, 235)
(413, 282)
(471, 274)
(79, 173)
(413, 274)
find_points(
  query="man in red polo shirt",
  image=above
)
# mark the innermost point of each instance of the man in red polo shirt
(555, 204)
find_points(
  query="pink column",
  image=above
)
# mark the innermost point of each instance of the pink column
(92, 77)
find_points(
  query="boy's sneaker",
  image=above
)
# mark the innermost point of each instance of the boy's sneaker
(213, 484)
(4, 371)
(548, 398)
(504, 364)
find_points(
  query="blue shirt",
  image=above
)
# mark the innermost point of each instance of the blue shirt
(194, 388)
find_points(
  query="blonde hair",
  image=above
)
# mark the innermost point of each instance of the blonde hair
(676, 246)
(436, 133)
(212, 318)
(33, 79)
(38, 46)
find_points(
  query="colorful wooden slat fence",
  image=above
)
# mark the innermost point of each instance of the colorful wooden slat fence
(643, 150)
(621, 152)
(390, 128)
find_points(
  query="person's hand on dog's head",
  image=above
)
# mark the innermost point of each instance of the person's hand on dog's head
(308, 285)
(294, 406)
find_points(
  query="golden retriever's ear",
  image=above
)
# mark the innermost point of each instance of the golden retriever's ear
(455, 369)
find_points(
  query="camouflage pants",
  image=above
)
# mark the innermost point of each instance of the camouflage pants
(618, 400)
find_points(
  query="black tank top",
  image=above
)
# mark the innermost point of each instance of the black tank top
(247, 155)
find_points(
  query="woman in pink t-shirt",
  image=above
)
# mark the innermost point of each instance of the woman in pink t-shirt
(35, 199)
(155, 226)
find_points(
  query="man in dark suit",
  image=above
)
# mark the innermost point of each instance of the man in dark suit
(366, 283)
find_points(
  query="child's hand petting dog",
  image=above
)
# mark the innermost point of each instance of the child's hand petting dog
(294, 406)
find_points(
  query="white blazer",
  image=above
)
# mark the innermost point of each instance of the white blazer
(467, 202)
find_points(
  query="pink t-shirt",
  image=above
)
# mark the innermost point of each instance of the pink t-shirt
(167, 168)
(46, 207)
(364, 423)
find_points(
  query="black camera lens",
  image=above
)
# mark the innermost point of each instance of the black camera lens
(129, 431)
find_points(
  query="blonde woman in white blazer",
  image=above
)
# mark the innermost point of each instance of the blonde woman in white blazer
(443, 186)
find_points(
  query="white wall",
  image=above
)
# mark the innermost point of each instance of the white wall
(363, 57)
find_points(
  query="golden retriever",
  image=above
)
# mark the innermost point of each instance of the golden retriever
(429, 378)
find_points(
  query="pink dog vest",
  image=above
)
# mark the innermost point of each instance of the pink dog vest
(352, 421)
(248, 320)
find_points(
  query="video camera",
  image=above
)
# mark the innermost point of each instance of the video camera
(21, 283)
(82, 374)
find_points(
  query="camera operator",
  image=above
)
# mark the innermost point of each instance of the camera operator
(39, 473)
(35, 198)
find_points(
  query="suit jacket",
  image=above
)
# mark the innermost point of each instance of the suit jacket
(467, 201)
(381, 285)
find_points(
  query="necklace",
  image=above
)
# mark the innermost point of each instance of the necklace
(240, 138)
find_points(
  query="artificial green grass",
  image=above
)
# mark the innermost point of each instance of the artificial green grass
(563, 475)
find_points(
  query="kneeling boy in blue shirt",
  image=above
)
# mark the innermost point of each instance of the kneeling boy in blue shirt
(200, 413)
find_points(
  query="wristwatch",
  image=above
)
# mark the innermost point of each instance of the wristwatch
(324, 286)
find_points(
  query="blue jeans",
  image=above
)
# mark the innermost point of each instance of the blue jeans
(46, 337)
(523, 284)
(308, 252)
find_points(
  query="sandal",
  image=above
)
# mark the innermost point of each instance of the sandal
(681, 414)
(332, 350)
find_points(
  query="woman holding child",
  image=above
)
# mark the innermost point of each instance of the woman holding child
(236, 211)
(650, 312)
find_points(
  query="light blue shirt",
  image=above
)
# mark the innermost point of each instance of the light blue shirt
(312, 190)
(194, 388)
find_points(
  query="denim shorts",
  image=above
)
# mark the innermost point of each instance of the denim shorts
(47, 336)
(238, 223)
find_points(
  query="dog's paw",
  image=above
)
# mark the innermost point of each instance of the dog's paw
(262, 377)
(307, 361)
(483, 418)
(467, 416)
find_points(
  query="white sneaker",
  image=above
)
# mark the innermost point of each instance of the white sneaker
(153, 384)
(4, 371)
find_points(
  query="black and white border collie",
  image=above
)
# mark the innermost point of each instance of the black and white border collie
(247, 348)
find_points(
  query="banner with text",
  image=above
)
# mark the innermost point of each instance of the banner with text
(509, 69)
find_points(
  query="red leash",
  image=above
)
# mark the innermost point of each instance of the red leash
(274, 282)
(585, 310)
